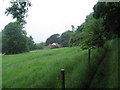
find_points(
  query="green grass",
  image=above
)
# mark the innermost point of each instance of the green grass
(41, 68)
(107, 73)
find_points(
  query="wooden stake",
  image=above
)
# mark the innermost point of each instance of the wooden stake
(89, 52)
(62, 78)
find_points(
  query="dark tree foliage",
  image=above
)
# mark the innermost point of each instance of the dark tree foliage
(89, 34)
(110, 12)
(77, 36)
(75, 39)
(31, 44)
(18, 10)
(14, 39)
(65, 38)
(53, 39)
(93, 34)
(99, 26)
(40, 45)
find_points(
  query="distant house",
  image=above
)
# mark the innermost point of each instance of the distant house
(50, 46)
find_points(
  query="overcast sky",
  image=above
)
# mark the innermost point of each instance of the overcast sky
(47, 17)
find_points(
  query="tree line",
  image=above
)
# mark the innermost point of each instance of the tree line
(99, 26)
(62, 39)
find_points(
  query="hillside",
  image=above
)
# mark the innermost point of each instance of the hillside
(41, 68)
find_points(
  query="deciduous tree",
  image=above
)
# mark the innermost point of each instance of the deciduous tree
(53, 39)
(31, 44)
(110, 12)
(65, 38)
(14, 39)
(18, 10)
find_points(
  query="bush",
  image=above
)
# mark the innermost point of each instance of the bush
(54, 46)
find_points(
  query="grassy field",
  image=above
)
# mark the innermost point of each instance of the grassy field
(107, 73)
(41, 68)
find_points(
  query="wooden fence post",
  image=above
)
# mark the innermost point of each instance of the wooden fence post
(62, 79)
(89, 52)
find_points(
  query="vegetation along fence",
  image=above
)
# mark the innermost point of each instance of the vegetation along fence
(63, 71)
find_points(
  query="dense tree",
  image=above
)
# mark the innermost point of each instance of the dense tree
(77, 36)
(40, 45)
(110, 12)
(99, 26)
(75, 39)
(65, 38)
(93, 34)
(31, 44)
(18, 10)
(14, 39)
(53, 39)
(89, 34)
